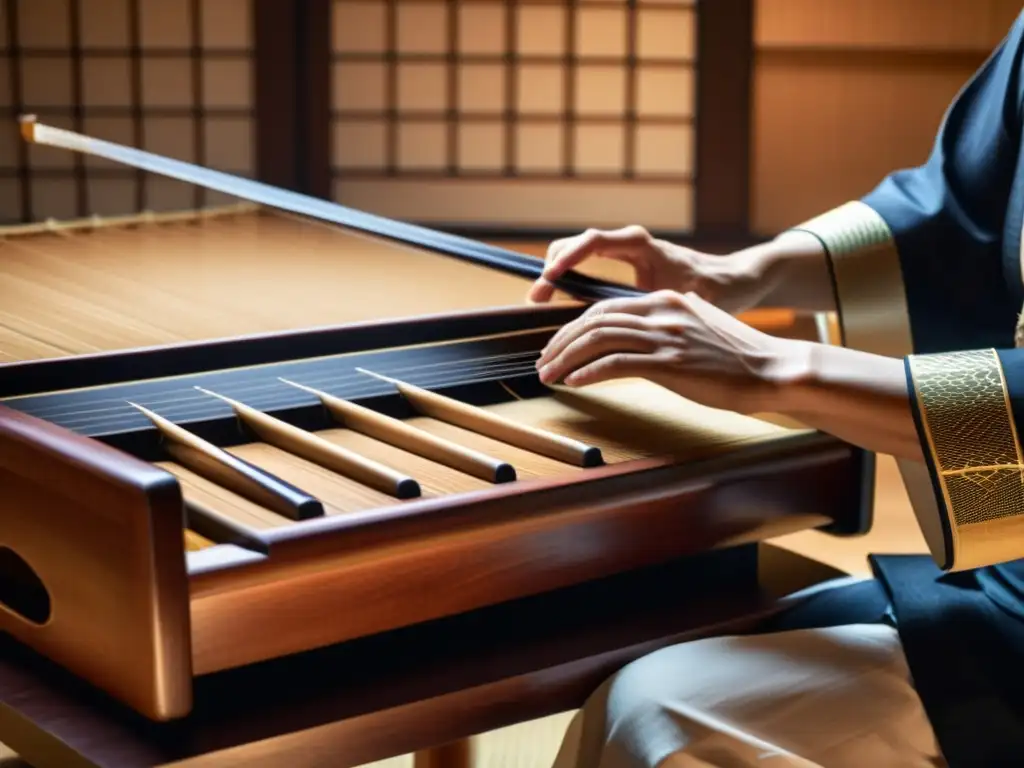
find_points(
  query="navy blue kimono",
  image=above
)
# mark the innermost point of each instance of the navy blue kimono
(927, 267)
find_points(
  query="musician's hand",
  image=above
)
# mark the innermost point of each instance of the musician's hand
(731, 282)
(681, 342)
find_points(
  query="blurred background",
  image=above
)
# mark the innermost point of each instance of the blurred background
(716, 122)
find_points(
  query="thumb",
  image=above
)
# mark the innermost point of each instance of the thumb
(625, 244)
(541, 292)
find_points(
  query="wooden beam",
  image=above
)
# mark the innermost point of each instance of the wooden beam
(725, 55)
(276, 59)
(314, 89)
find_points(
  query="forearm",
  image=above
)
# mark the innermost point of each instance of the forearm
(858, 397)
(794, 270)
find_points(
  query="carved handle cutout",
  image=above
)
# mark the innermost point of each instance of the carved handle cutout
(21, 589)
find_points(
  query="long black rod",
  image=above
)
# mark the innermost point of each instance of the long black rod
(579, 286)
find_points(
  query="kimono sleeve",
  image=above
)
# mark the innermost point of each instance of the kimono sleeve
(969, 411)
(918, 273)
(922, 252)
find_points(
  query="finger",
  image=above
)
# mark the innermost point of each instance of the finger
(638, 305)
(624, 244)
(644, 275)
(560, 247)
(556, 247)
(540, 292)
(585, 323)
(620, 365)
(598, 343)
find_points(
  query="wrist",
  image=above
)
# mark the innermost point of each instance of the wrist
(789, 247)
(814, 378)
(791, 271)
(859, 397)
(791, 373)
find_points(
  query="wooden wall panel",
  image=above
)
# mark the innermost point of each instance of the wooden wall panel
(872, 25)
(828, 133)
(846, 91)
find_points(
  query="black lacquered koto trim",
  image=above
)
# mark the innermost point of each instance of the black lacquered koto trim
(470, 371)
(36, 376)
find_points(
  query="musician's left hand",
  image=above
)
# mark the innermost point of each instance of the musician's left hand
(681, 342)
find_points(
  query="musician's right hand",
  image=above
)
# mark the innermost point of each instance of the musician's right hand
(788, 271)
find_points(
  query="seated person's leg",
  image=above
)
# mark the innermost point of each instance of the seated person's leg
(838, 695)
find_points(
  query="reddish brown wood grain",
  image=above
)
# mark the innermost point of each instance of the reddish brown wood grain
(397, 567)
(399, 692)
(104, 533)
(108, 538)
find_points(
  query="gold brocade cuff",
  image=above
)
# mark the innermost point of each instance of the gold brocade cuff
(968, 431)
(871, 304)
(865, 264)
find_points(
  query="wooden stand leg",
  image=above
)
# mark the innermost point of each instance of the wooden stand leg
(456, 754)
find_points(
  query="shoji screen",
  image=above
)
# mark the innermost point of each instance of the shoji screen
(516, 113)
(171, 76)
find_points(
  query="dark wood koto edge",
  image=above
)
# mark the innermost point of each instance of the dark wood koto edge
(461, 713)
(510, 671)
(469, 712)
(149, 500)
(434, 517)
(382, 587)
(97, 369)
(52, 728)
(32, 446)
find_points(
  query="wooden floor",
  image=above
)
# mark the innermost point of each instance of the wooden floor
(533, 745)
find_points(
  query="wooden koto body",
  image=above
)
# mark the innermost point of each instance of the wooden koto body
(176, 510)
(150, 573)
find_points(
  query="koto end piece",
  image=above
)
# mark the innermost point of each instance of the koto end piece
(484, 422)
(28, 128)
(401, 435)
(314, 448)
(235, 474)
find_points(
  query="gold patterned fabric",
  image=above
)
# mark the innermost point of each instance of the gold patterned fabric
(971, 505)
(870, 296)
(873, 317)
(971, 438)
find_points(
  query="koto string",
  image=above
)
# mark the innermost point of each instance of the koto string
(465, 371)
(184, 406)
(180, 402)
(579, 286)
(269, 396)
